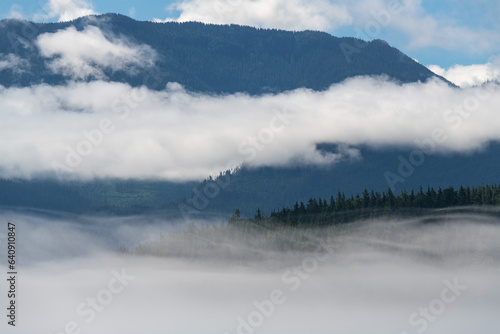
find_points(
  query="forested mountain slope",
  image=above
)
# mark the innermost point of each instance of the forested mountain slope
(215, 58)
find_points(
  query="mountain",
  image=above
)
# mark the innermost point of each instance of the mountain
(248, 189)
(271, 188)
(103, 196)
(228, 59)
(214, 58)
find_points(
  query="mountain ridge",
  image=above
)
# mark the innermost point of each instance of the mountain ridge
(209, 58)
(247, 189)
(225, 59)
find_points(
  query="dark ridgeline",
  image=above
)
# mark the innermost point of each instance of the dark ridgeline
(220, 58)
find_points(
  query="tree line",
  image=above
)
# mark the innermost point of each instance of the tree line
(302, 226)
(341, 208)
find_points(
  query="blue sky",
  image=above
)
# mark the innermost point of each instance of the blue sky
(444, 33)
(143, 10)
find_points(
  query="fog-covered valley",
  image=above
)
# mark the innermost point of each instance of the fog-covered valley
(437, 273)
(135, 150)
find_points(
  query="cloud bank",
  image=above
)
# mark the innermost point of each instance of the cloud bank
(82, 54)
(281, 14)
(15, 12)
(472, 75)
(66, 10)
(385, 273)
(426, 30)
(13, 62)
(102, 129)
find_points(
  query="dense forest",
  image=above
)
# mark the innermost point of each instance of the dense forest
(267, 188)
(215, 58)
(271, 188)
(341, 209)
(307, 227)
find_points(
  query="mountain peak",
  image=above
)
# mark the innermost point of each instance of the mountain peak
(218, 58)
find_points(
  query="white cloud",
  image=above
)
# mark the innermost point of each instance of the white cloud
(16, 12)
(282, 14)
(68, 10)
(176, 135)
(82, 54)
(421, 28)
(370, 19)
(13, 62)
(131, 12)
(427, 32)
(472, 75)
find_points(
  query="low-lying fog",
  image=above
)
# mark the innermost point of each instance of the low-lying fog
(434, 274)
